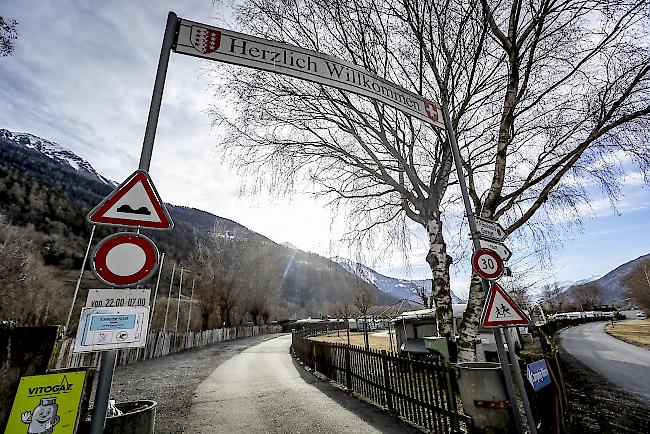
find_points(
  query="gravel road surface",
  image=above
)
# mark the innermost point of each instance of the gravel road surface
(170, 380)
(263, 390)
(623, 364)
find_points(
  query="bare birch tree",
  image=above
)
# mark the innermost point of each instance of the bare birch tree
(570, 104)
(548, 99)
(387, 168)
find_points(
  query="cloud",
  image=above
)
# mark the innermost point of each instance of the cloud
(82, 75)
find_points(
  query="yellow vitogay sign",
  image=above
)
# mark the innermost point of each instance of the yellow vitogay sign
(47, 404)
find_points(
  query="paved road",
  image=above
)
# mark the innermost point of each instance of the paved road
(262, 390)
(623, 364)
(171, 380)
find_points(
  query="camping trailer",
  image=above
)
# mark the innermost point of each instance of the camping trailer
(412, 327)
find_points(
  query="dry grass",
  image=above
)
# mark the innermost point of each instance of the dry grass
(635, 332)
(380, 342)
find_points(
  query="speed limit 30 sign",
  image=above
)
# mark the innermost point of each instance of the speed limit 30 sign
(487, 264)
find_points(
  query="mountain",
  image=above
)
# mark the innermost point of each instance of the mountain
(612, 285)
(399, 288)
(48, 191)
(537, 293)
(54, 151)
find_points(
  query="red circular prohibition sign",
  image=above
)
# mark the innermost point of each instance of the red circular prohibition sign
(102, 269)
(487, 264)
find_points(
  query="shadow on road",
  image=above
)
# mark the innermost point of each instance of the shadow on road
(374, 416)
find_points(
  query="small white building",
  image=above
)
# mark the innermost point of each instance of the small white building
(412, 327)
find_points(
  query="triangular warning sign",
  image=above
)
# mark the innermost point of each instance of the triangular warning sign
(135, 203)
(500, 310)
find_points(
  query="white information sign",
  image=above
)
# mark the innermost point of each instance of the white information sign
(490, 229)
(102, 328)
(118, 297)
(499, 248)
(202, 40)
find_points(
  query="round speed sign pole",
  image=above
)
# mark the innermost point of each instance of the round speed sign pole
(487, 264)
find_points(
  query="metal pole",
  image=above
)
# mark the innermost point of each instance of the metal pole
(178, 305)
(104, 381)
(541, 309)
(520, 382)
(169, 296)
(510, 390)
(477, 245)
(155, 294)
(109, 357)
(189, 314)
(81, 274)
(156, 98)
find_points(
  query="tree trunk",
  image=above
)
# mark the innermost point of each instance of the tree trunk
(205, 319)
(439, 262)
(225, 315)
(468, 329)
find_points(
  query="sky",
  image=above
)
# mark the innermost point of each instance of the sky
(82, 75)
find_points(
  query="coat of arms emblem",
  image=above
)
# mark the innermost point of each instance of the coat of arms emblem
(205, 40)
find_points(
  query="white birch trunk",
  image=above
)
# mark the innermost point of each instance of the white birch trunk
(468, 330)
(439, 263)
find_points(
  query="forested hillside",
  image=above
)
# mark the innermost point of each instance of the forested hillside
(47, 201)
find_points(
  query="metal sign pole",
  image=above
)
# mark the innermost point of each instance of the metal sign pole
(169, 296)
(156, 98)
(109, 357)
(189, 314)
(507, 376)
(178, 305)
(81, 275)
(520, 382)
(103, 391)
(503, 359)
(155, 294)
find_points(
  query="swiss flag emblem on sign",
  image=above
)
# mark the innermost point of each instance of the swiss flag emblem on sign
(432, 110)
(205, 40)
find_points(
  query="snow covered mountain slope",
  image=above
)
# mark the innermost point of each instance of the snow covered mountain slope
(54, 151)
(400, 288)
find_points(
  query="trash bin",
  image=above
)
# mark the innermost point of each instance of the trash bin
(138, 417)
(483, 394)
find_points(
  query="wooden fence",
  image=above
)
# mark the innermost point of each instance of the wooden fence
(419, 391)
(159, 343)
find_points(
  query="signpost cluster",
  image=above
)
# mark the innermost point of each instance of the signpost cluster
(118, 317)
(500, 310)
(213, 43)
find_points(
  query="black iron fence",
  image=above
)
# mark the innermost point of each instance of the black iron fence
(419, 391)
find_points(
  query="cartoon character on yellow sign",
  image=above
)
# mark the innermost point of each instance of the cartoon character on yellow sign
(47, 404)
(43, 418)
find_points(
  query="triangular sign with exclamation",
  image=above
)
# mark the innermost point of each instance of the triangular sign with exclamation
(501, 311)
(135, 203)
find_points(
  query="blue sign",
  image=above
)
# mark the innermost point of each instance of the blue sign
(111, 322)
(538, 375)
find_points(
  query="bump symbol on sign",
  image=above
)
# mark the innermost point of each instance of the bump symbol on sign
(135, 203)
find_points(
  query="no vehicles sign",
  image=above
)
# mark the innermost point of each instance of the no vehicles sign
(47, 404)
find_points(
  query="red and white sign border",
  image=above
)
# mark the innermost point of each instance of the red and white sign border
(96, 215)
(104, 275)
(497, 259)
(489, 300)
